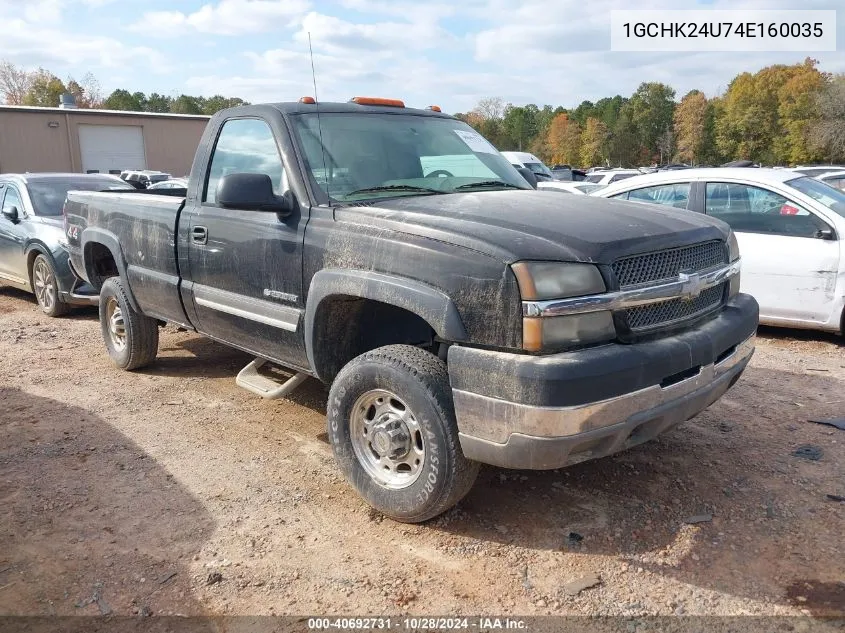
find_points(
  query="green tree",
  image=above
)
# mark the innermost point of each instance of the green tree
(651, 109)
(157, 103)
(520, 125)
(122, 99)
(214, 104)
(184, 104)
(45, 90)
(624, 141)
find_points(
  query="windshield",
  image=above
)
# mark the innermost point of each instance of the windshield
(368, 155)
(538, 168)
(48, 196)
(594, 178)
(832, 198)
(159, 177)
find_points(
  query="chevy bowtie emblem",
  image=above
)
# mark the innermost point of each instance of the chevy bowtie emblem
(691, 285)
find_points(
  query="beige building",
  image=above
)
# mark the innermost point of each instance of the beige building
(106, 141)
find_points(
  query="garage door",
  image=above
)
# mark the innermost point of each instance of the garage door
(111, 148)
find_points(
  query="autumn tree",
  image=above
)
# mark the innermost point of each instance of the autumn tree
(490, 108)
(827, 132)
(690, 121)
(797, 111)
(594, 140)
(45, 90)
(15, 83)
(564, 140)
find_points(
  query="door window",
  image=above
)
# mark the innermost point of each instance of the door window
(244, 146)
(13, 199)
(752, 209)
(673, 195)
(837, 181)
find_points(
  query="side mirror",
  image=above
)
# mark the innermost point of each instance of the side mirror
(251, 192)
(528, 175)
(825, 234)
(11, 213)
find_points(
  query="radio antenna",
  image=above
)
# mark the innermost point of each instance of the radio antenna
(319, 126)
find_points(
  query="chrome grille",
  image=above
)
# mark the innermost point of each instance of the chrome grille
(667, 313)
(667, 265)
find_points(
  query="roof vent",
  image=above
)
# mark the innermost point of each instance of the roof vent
(67, 101)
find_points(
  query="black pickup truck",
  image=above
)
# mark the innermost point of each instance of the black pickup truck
(458, 315)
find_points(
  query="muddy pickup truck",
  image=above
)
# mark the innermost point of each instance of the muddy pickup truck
(458, 315)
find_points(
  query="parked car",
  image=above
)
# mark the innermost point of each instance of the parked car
(31, 232)
(790, 228)
(580, 188)
(144, 178)
(608, 176)
(835, 179)
(458, 319)
(817, 170)
(529, 161)
(173, 183)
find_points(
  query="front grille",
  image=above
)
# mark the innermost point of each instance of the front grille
(667, 265)
(668, 313)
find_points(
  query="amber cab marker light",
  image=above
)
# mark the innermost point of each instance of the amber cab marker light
(378, 101)
(435, 108)
(309, 100)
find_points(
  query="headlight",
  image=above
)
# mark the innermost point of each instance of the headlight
(541, 281)
(547, 334)
(556, 280)
(733, 249)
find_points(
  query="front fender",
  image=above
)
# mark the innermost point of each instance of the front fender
(58, 258)
(429, 303)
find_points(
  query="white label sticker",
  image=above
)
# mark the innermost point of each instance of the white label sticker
(476, 142)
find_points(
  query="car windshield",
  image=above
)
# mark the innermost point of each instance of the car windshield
(159, 177)
(359, 156)
(594, 178)
(832, 198)
(538, 168)
(48, 195)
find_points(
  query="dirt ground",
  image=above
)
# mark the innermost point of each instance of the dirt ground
(172, 491)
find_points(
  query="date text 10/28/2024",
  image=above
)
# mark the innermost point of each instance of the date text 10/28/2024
(418, 624)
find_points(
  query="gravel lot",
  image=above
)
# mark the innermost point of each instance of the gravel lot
(172, 491)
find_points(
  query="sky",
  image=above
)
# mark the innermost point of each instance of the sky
(449, 53)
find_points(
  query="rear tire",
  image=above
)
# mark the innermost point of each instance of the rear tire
(391, 424)
(46, 288)
(131, 338)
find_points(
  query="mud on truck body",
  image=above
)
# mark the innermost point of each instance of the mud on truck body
(458, 316)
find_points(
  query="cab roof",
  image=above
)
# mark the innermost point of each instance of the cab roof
(295, 107)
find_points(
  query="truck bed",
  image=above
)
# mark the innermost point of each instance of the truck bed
(147, 224)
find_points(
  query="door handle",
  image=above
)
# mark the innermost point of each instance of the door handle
(199, 235)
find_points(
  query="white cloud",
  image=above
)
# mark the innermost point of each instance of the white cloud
(227, 17)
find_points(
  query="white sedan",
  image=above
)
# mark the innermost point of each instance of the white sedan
(790, 228)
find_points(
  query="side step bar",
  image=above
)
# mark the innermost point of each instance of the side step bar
(264, 386)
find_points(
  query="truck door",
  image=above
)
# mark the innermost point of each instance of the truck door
(245, 267)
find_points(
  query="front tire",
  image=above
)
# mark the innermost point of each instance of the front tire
(131, 338)
(46, 288)
(391, 424)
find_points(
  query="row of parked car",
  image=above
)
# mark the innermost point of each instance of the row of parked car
(789, 223)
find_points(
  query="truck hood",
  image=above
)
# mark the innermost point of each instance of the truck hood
(540, 225)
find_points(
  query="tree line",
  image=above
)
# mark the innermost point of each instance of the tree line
(779, 115)
(44, 89)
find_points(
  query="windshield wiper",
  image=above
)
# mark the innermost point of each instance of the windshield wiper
(488, 183)
(410, 188)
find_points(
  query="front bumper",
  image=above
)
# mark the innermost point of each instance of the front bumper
(543, 412)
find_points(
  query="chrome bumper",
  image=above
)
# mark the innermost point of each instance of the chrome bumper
(515, 435)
